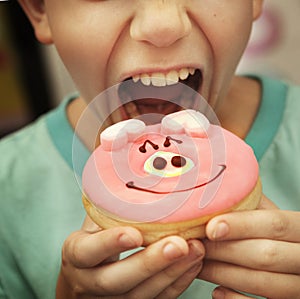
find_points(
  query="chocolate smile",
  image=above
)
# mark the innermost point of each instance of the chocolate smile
(131, 184)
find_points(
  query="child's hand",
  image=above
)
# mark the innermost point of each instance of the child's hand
(91, 269)
(257, 252)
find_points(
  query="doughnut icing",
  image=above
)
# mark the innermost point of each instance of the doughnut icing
(174, 172)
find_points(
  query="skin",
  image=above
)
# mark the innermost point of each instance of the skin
(148, 36)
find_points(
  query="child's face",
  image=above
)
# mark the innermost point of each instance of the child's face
(105, 42)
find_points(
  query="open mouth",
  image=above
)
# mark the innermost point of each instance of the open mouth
(160, 93)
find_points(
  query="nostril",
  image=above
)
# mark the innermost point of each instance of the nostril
(159, 163)
(178, 161)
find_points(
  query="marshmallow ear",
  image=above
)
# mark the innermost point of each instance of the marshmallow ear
(119, 134)
(189, 121)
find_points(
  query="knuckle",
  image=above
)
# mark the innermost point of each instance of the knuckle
(105, 285)
(78, 289)
(66, 251)
(75, 253)
(71, 252)
(280, 225)
(147, 267)
(64, 258)
(170, 274)
(269, 254)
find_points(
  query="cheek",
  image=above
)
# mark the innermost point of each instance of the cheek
(227, 27)
(80, 54)
(84, 38)
(230, 29)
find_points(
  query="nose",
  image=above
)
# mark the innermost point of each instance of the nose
(176, 161)
(160, 22)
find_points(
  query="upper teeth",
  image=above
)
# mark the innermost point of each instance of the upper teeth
(162, 79)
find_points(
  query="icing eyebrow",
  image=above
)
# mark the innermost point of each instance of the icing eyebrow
(167, 142)
(142, 148)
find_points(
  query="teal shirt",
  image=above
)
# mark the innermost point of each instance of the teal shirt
(40, 198)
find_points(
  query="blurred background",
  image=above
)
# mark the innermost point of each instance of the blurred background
(33, 79)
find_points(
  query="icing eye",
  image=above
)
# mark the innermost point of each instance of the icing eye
(167, 164)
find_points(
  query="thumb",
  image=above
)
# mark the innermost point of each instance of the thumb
(266, 204)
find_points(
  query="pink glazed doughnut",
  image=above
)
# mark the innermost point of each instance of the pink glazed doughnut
(169, 178)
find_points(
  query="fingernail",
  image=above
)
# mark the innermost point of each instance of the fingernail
(172, 251)
(221, 230)
(218, 294)
(195, 251)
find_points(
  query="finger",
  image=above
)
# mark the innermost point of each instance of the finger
(85, 250)
(224, 293)
(173, 280)
(261, 254)
(181, 284)
(268, 224)
(266, 204)
(123, 276)
(260, 283)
